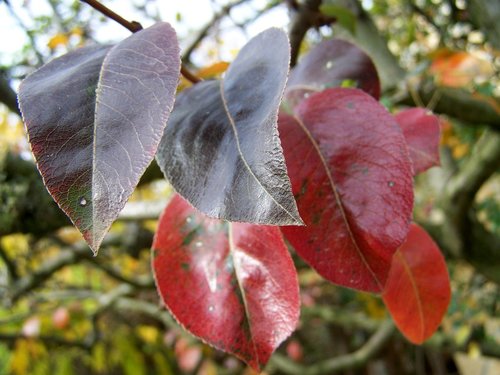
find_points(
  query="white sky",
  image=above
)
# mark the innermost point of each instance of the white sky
(195, 14)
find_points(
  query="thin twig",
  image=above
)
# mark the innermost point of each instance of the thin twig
(204, 31)
(134, 26)
(345, 362)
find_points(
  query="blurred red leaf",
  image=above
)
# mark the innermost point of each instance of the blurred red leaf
(421, 130)
(233, 285)
(188, 356)
(352, 179)
(417, 292)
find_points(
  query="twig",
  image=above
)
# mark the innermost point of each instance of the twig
(204, 31)
(345, 362)
(134, 26)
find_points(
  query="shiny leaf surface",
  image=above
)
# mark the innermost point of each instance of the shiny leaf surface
(351, 175)
(329, 64)
(417, 292)
(421, 130)
(95, 117)
(221, 150)
(233, 285)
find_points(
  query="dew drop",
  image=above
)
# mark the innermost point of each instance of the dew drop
(211, 308)
(391, 183)
(329, 64)
(198, 244)
(189, 220)
(82, 202)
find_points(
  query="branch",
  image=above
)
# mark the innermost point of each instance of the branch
(205, 30)
(7, 94)
(307, 15)
(346, 362)
(457, 103)
(134, 26)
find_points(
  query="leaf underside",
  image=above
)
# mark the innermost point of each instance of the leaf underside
(352, 179)
(95, 117)
(233, 285)
(417, 292)
(221, 150)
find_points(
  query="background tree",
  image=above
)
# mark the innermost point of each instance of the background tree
(101, 315)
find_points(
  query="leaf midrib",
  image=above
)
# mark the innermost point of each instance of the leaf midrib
(242, 157)
(338, 200)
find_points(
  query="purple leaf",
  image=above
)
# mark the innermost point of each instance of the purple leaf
(221, 150)
(95, 117)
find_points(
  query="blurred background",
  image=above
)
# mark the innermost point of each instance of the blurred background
(65, 312)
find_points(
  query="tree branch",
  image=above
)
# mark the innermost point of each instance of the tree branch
(205, 30)
(7, 95)
(346, 362)
(306, 16)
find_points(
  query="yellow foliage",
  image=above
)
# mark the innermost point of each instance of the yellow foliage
(214, 70)
(373, 306)
(147, 333)
(58, 40)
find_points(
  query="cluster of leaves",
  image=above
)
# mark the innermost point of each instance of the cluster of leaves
(254, 161)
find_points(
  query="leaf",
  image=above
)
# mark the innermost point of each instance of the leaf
(221, 150)
(417, 292)
(329, 64)
(343, 15)
(92, 145)
(421, 130)
(233, 285)
(58, 40)
(351, 176)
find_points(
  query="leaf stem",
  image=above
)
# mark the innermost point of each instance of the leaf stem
(134, 26)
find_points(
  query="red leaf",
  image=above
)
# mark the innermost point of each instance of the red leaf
(421, 131)
(417, 292)
(351, 175)
(233, 285)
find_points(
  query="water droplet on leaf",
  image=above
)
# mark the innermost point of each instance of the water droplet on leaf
(211, 308)
(329, 64)
(198, 244)
(391, 183)
(82, 202)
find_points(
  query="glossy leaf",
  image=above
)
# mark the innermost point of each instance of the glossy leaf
(351, 175)
(95, 117)
(421, 130)
(417, 292)
(221, 150)
(233, 285)
(331, 63)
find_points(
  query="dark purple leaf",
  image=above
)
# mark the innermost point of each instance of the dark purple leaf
(233, 285)
(328, 65)
(95, 117)
(221, 150)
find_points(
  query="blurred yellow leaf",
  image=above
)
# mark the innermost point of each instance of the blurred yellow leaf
(19, 361)
(58, 40)
(212, 71)
(148, 334)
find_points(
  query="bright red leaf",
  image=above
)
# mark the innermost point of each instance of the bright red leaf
(352, 179)
(233, 285)
(417, 292)
(421, 130)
